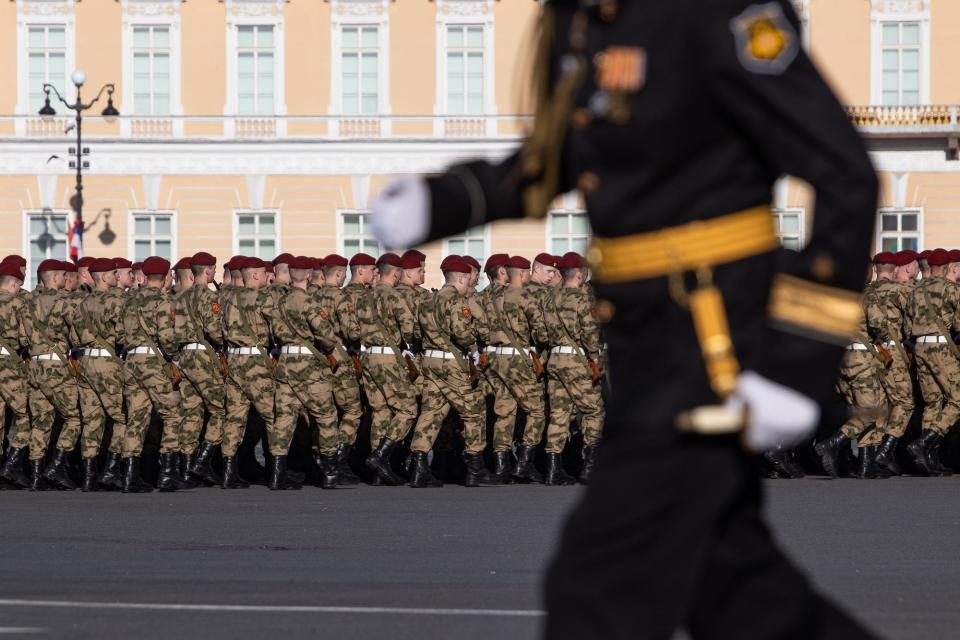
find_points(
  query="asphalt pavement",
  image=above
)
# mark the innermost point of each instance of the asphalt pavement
(393, 562)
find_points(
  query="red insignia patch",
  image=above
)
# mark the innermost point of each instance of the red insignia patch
(323, 314)
(349, 307)
(466, 313)
(216, 308)
(173, 313)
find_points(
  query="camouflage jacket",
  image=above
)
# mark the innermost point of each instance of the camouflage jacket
(519, 315)
(96, 320)
(886, 304)
(934, 297)
(44, 326)
(246, 314)
(298, 319)
(445, 321)
(148, 318)
(568, 315)
(497, 337)
(341, 311)
(12, 310)
(415, 297)
(199, 317)
(385, 318)
(479, 323)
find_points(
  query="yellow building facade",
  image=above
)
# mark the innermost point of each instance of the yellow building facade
(262, 126)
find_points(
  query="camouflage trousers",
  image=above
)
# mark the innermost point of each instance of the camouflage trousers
(346, 395)
(101, 396)
(303, 381)
(504, 410)
(516, 376)
(53, 390)
(201, 388)
(446, 385)
(938, 371)
(392, 398)
(13, 395)
(570, 390)
(249, 384)
(898, 386)
(859, 384)
(147, 388)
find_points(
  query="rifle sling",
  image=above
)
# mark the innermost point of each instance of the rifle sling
(944, 331)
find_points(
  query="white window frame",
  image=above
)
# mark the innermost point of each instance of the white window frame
(44, 13)
(257, 212)
(340, 232)
(467, 13)
(132, 235)
(569, 203)
(360, 13)
(29, 278)
(881, 234)
(255, 13)
(885, 12)
(152, 13)
(483, 235)
(800, 212)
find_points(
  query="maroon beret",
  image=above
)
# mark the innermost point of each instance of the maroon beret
(571, 261)
(137, 266)
(122, 263)
(253, 263)
(319, 264)
(102, 265)
(202, 259)
(391, 259)
(546, 259)
(85, 262)
(518, 262)
(954, 255)
(155, 266)
(283, 258)
(938, 257)
(300, 262)
(10, 269)
(925, 254)
(452, 256)
(884, 257)
(362, 260)
(236, 262)
(410, 261)
(68, 266)
(13, 258)
(268, 267)
(335, 260)
(903, 258)
(420, 256)
(182, 264)
(470, 260)
(455, 264)
(495, 261)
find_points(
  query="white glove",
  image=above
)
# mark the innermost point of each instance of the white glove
(401, 214)
(409, 354)
(475, 356)
(777, 416)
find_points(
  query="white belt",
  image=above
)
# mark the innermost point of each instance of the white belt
(4, 352)
(193, 346)
(510, 351)
(856, 346)
(890, 344)
(567, 350)
(96, 353)
(433, 353)
(244, 351)
(938, 339)
(141, 350)
(491, 349)
(300, 351)
(46, 356)
(384, 351)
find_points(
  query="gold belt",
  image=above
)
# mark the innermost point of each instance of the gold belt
(689, 247)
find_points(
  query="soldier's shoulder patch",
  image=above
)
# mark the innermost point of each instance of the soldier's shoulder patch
(216, 308)
(466, 313)
(350, 307)
(324, 314)
(173, 312)
(767, 42)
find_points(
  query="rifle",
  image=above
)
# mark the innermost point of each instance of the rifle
(537, 364)
(224, 366)
(412, 372)
(884, 355)
(596, 372)
(357, 366)
(174, 374)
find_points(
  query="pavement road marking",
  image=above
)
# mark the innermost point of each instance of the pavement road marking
(20, 630)
(150, 606)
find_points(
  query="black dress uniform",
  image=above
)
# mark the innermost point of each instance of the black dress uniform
(674, 119)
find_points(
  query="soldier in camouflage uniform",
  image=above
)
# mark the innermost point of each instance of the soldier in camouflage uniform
(518, 317)
(412, 263)
(13, 391)
(934, 316)
(95, 328)
(148, 319)
(346, 387)
(573, 370)
(304, 375)
(191, 407)
(448, 379)
(200, 334)
(52, 381)
(246, 312)
(388, 329)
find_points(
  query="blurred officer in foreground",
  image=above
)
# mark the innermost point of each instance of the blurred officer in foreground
(674, 120)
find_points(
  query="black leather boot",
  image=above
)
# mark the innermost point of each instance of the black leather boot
(37, 481)
(502, 467)
(379, 462)
(887, 455)
(587, 469)
(782, 465)
(184, 479)
(168, 478)
(132, 482)
(829, 452)
(556, 476)
(421, 476)
(935, 457)
(477, 474)
(345, 474)
(329, 471)
(925, 451)
(279, 481)
(13, 470)
(57, 474)
(202, 468)
(231, 475)
(525, 470)
(90, 475)
(112, 476)
(867, 468)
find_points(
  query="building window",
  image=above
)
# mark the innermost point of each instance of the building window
(46, 62)
(355, 235)
(569, 231)
(152, 235)
(359, 64)
(472, 243)
(900, 63)
(256, 234)
(255, 69)
(151, 70)
(46, 238)
(788, 225)
(899, 229)
(465, 69)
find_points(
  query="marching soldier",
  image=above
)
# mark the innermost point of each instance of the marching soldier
(544, 276)
(573, 370)
(148, 320)
(13, 390)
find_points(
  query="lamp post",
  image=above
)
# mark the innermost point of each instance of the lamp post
(78, 77)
